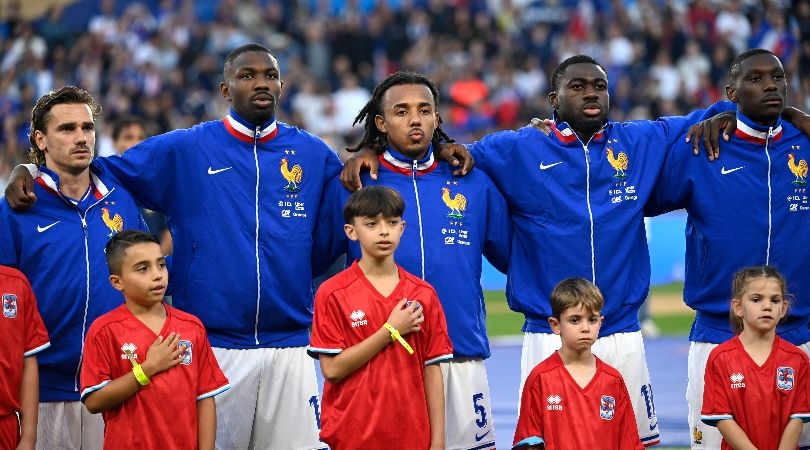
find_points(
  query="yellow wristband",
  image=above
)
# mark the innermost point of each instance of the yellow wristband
(397, 337)
(143, 380)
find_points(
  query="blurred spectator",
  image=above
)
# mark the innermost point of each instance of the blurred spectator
(160, 59)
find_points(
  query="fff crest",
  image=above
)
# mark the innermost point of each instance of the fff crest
(457, 203)
(619, 162)
(9, 306)
(293, 175)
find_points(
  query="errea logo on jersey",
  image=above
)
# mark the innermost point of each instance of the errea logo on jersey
(358, 318)
(554, 402)
(737, 380)
(129, 352)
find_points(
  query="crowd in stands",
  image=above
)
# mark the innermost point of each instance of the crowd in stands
(160, 59)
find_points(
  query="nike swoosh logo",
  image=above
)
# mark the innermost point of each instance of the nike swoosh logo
(724, 171)
(211, 170)
(477, 437)
(653, 426)
(41, 229)
(544, 167)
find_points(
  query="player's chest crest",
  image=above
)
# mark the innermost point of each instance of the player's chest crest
(622, 189)
(111, 219)
(797, 166)
(286, 184)
(456, 204)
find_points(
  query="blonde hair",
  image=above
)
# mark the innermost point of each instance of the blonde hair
(576, 291)
(741, 279)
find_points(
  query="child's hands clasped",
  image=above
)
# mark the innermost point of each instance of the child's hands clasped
(163, 354)
(406, 319)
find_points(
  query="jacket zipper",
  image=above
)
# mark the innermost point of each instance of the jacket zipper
(83, 218)
(419, 215)
(770, 216)
(588, 203)
(258, 269)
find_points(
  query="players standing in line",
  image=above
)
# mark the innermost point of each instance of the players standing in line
(573, 400)
(750, 208)
(149, 368)
(576, 201)
(242, 196)
(59, 245)
(24, 336)
(756, 385)
(451, 223)
(383, 385)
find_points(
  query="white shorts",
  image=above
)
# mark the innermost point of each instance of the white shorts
(468, 418)
(68, 426)
(705, 437)
(623, 351)
(273, 402)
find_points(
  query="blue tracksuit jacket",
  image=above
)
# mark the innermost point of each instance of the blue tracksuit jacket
(241, 203)
(578, 210)
(449, 223)
(59, 246)
(749, 208)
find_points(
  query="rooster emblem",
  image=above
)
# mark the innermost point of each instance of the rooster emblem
(457, 204)
(293, 176)
(619, 163)
(800, 170)
(697, 436)
(114, 223)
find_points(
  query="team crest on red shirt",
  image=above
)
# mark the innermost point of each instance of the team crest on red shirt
(784, 378)
(607, 407)
(9, 306)
(186, 356)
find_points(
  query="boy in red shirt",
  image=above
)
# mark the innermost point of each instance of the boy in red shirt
(148, 368)
(573, 400)
(379, 332)
(24, 335)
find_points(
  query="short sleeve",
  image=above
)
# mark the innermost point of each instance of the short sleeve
(437, 345)
(97, 367)
(36, 336)
(327, 335)
(529, 429)
(801, 403)
(210, 379)
(716, 406)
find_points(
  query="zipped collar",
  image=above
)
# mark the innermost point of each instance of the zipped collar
(245, 131)
(398, 162)
(49, 181)
(566, 134)
(750, 131)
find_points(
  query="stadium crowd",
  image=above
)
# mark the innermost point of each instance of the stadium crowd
(160, 59)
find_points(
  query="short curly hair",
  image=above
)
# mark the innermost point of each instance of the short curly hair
(69, 95)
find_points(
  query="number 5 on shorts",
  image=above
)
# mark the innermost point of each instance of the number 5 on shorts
(479, 410)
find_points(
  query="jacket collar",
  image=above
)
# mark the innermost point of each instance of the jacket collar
(49, 181)
(750, 131)
(244, 131)
(566, 134)
(398, 162)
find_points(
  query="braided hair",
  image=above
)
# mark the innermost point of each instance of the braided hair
(374, 138)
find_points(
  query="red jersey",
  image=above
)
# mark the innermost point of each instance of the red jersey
(557, 412)
(23, 334)
(163, 414)
(384, 401)
(762, 400)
